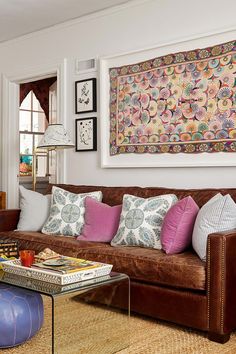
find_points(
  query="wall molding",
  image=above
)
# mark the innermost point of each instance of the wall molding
(199, 36)
(76, 21)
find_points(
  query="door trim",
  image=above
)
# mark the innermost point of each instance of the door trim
(10, 123)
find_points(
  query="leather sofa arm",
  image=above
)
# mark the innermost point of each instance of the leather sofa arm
(221, 284)
(9, 219)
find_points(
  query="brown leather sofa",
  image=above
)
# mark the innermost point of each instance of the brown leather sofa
(178, 288)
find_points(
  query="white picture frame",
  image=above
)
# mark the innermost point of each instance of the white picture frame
(132, 160)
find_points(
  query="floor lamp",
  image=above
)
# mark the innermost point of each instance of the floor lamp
(54, 138)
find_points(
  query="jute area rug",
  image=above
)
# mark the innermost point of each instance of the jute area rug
(85, 329)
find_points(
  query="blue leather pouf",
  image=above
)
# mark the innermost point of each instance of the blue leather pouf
(21, 315)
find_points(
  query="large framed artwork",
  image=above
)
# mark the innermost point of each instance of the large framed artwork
(176, 109)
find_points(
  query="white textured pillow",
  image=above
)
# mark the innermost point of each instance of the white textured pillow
(141, 220)
(34, 210)
(67, 212)
(218, 214)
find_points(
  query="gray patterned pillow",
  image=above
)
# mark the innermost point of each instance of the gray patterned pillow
(67, 212)
(141, 220)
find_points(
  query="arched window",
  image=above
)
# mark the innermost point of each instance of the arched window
(32, 125)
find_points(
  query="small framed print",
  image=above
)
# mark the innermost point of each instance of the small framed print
(86, 134)
(85, 96)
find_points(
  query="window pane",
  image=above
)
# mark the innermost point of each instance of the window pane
(26, 144)
(39, 122)
(37, 139)
(41, 166)
(26, 165)
(26, 103)
(25, 121)
(36, 104)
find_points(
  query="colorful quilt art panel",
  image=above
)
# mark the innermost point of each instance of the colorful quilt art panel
(182, 102)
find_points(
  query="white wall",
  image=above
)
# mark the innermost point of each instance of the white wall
(147, 24)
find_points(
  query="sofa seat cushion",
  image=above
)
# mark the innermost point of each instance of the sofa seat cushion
(38, 241)
(183, 270)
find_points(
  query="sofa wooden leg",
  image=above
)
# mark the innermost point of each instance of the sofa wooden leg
(219, 338)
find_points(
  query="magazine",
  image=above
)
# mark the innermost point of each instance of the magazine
(65, 265)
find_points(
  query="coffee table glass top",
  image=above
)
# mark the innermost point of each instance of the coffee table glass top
(56, 290)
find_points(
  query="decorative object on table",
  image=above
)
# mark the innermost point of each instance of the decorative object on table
(40, 285)
(86, 134)
(21, 315)
(4, 258)
(141, 220)
(182, 102)
(85, 96)
(46, 254)
(35, 209)
(54, 138)
(53, 275)
(27, 257)
(67, 212)
(9, 248)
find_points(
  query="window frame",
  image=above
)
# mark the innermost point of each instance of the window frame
(32, 133)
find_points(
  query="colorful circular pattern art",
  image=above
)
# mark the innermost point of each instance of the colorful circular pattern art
(183, 102)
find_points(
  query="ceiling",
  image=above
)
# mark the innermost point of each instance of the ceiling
(19, 17)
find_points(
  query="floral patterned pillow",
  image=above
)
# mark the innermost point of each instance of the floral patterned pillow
(141, 220)
(67, 212)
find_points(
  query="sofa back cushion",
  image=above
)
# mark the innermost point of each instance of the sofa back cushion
(177, 227)
(218, 214)
(35, 209)
(141, 220)
(101, 221)
(114, 195)
(67, 212)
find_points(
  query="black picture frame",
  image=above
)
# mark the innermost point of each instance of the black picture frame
(86, 96)
(86, 134)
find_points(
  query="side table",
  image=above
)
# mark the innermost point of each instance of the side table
(103, 297)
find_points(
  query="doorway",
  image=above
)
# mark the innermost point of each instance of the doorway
(10, 122)
(38, 108)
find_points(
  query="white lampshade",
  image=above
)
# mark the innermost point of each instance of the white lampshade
(55, 137)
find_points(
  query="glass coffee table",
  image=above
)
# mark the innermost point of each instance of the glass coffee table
(101, 310)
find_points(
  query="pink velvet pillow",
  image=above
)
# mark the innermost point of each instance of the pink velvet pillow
(177, 227)
(101, 221)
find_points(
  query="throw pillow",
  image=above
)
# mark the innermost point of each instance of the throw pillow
(218, 214)
(67, 212)
(101, 221)
(34, 210)
(177, 227)
(141, 220)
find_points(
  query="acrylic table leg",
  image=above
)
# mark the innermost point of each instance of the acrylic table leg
(53, 325)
